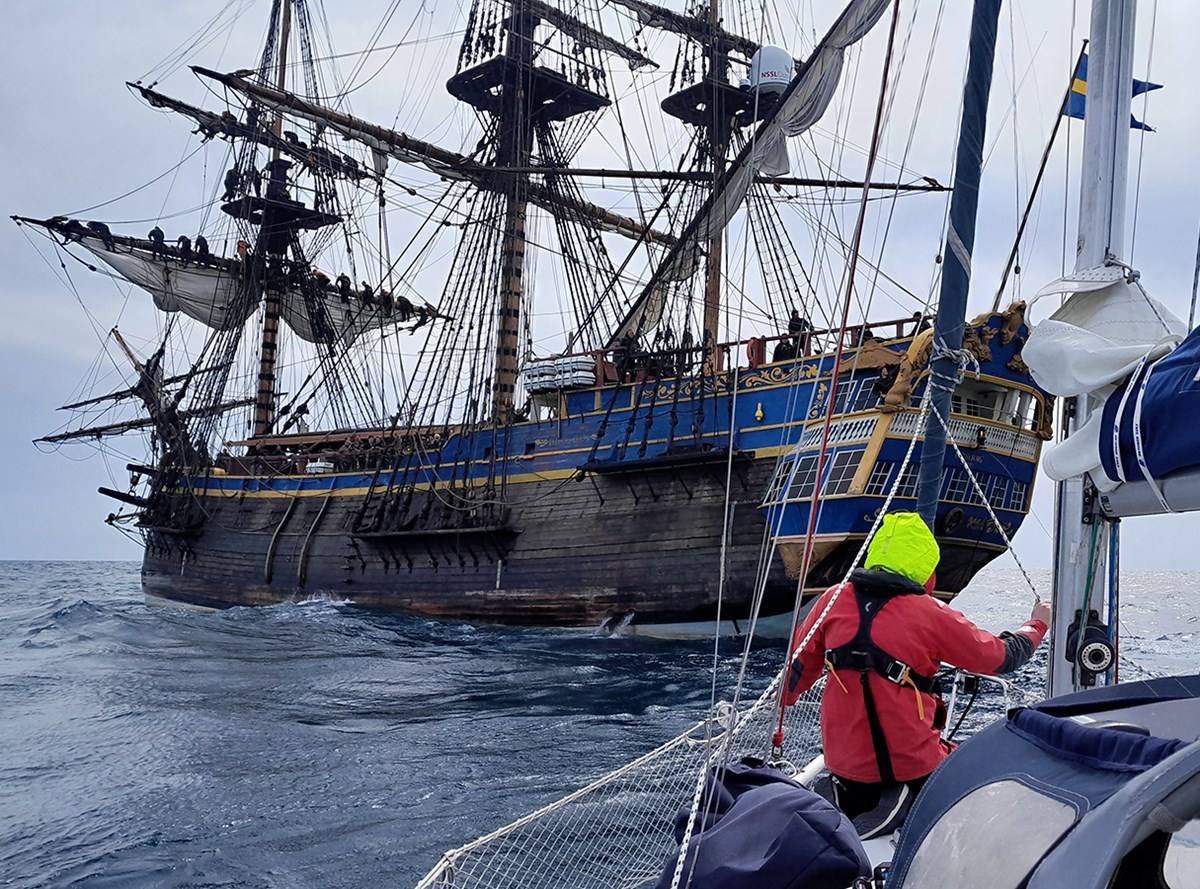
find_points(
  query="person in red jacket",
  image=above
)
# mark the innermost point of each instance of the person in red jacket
(883, 641)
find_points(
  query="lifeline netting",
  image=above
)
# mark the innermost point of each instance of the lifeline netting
(617, 833)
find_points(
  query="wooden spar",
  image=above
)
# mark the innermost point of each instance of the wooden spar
(446, 163)
(142, 423)
(264, 405)
(651, 15)
(129, 393)
(516, 143)
(696, 176)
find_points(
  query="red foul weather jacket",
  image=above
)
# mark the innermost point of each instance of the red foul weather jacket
(913, 628)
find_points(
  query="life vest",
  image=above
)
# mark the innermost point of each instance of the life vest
(863, 656)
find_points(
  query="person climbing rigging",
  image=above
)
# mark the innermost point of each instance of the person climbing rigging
(344, 287)
(185, 249)
(233, 180)
(404, 308)
(202, 251)
(105, 235)
(157, 239)
(882, 727)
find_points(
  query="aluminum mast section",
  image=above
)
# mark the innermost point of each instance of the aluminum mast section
(1104, 178)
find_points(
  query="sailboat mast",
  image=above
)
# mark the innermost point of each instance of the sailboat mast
(264, 404)
(1079, 547)
(718, 142)
(960, 241)
(514, 148)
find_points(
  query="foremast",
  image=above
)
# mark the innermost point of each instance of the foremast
(264, 405)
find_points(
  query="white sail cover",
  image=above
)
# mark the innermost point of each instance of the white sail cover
(1091, 343)
(210, 295)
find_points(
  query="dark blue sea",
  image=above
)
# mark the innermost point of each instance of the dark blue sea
(319, 745)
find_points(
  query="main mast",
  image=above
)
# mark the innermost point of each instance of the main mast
(1079, 547)
(524, 99)
(513, 150)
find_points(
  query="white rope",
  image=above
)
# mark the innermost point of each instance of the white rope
(988, 506)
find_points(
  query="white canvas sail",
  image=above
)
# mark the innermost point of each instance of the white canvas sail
(213, 296)
(327, 317)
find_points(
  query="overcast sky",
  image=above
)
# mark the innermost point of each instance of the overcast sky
(76, 137)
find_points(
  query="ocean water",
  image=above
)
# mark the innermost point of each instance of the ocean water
(318, 745)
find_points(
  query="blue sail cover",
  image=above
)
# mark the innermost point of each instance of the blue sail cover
(1066, 787)
(1157, 404)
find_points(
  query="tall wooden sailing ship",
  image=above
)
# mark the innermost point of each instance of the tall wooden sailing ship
(626, 479)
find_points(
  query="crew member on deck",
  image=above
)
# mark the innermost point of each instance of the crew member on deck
(800, 330)
(883, 641)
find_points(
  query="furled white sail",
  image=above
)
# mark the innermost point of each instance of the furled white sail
(212, 295)
(801, 106)
(1087, 346)
(324, 317)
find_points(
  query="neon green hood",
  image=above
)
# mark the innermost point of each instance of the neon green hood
(904, 545)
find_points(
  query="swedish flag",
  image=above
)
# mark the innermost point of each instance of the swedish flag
(1077, 101)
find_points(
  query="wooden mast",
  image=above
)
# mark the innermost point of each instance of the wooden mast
(718, 143)
(264, 405)
(515, 145)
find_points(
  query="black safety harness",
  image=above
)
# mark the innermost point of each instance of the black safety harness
(864, 656)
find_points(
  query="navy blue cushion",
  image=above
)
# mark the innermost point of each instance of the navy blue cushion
(762, 830)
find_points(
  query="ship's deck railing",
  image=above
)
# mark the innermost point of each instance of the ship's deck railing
(1017, 442)
(628, 361)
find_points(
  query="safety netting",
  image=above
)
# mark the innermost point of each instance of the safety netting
(618, 831)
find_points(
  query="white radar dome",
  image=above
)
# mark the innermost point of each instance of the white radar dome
(771, 70)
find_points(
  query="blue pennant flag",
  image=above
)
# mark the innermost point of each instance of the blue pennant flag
(1077, 101)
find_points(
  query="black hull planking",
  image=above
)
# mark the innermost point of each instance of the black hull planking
(640, 545)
